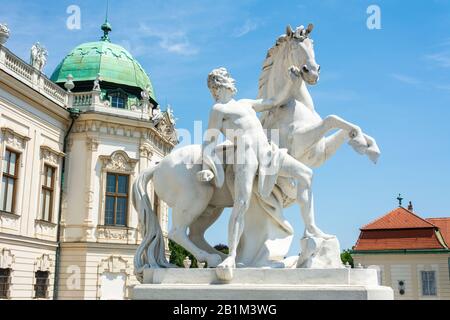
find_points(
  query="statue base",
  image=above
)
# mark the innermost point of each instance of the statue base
(262, 284)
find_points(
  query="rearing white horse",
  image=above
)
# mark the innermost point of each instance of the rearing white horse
(301, 129)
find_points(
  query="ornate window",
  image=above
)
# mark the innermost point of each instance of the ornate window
(47, 193)
(5, 282)
(118, 171)
(41, 284)
(116, 199)
(9, 180)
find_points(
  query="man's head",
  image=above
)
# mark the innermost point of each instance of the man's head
(221, 85)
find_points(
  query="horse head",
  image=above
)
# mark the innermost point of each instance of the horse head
(302, 55)
(295, 48)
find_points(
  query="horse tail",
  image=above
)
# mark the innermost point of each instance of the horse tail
(151, 251)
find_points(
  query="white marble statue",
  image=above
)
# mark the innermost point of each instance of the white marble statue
(38, 56)
(97, 81)
(157, 115)
(145, 95)
(4, 33)
(255, 155)
(171, 115)
(205, 184)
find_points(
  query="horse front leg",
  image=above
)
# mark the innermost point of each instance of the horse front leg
(306, 138)
(332, 143)
(361, 143)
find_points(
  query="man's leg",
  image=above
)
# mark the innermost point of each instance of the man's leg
(293, 168)
(243, 185)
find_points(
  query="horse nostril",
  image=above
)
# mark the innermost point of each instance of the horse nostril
(305, 69)
(318, 69)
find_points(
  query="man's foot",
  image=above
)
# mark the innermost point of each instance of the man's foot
(224, 271)
(317, 233)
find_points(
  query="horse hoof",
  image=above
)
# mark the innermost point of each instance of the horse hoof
(373, 155)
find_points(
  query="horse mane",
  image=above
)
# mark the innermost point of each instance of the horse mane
(268, 63)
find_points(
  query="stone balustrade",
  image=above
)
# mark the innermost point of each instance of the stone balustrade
(81, 99)
(23, 71)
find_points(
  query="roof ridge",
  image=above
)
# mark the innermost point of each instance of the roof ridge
(379, 218)
(406, 210)
(423, 219)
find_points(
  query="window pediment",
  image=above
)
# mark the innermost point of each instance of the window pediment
(6, 259)
(44, 263)
(119, 161)
(114, 264)
(14, 139)
(51, 156)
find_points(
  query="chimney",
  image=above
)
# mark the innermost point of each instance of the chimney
(410, 207)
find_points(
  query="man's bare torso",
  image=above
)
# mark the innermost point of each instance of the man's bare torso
(239, 121)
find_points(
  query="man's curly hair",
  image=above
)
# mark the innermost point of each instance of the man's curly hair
(221, 78)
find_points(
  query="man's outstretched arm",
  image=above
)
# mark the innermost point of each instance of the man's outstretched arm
(261, 105)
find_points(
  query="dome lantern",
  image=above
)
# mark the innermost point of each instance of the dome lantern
(106, 27)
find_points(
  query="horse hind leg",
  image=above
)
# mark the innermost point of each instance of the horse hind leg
(198, 228)
(182, 219)
(295, 169)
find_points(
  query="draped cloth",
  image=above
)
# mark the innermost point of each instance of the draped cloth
(270, 158)
(267, 235)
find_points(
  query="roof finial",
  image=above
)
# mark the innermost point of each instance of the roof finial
(400, 199)
(107, 10)
(106, 27)
(410, 207)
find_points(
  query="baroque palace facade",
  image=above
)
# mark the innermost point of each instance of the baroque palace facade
(71, 146)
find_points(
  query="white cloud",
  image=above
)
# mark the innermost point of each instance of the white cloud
(405, 79)
(249, 26)
(442, 59)
(175, 42)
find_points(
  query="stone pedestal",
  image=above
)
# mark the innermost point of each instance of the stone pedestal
(262, 284)
(317, 253)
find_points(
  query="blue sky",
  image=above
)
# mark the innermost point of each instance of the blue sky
(394, 83)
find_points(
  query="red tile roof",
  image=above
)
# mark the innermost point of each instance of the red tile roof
(444, 227)
(402, 229)
(399, 218)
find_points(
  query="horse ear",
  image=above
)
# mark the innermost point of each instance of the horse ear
(289, 31)
(309, 29)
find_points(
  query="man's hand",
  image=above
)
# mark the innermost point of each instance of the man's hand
(295, 73)
(205, 175)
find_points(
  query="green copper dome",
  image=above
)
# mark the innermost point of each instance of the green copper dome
(114, 64)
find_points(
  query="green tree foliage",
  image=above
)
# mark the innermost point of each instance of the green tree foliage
(347, 257)
(222, 248)
(178, 254)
